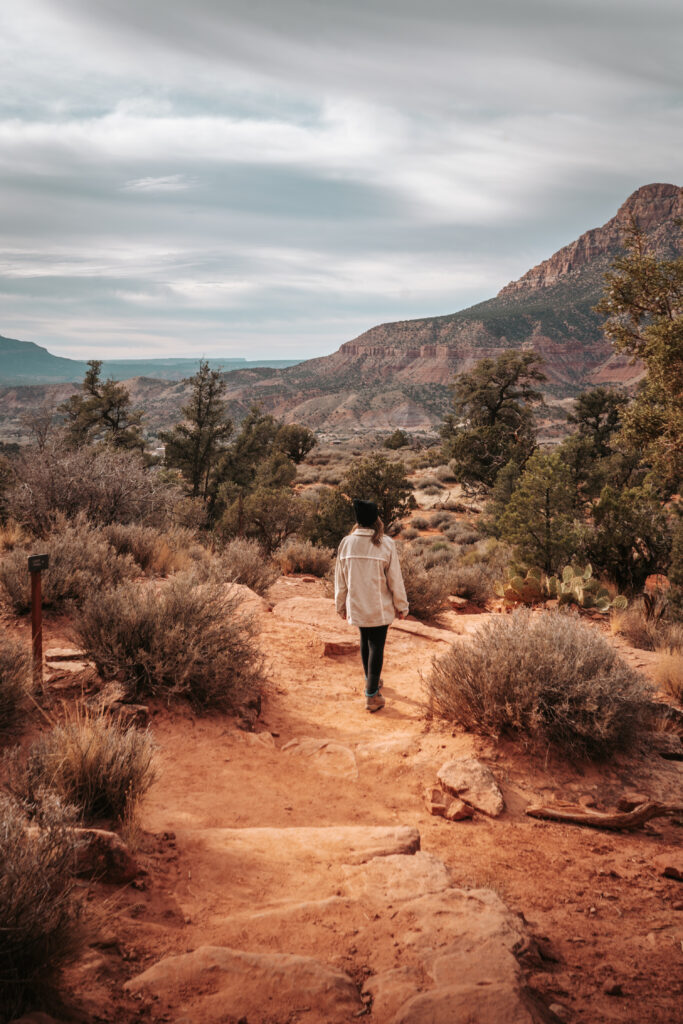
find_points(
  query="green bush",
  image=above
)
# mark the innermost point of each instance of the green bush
(93, 763)
(38, 908)
(546, 678)
(186, 639)
(15, 678)
(81, 562)
(246, 562)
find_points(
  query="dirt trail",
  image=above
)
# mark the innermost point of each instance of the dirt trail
(283, 877)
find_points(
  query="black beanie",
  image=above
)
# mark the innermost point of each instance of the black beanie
(367, 512)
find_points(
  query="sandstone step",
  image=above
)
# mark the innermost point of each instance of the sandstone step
(250, 985)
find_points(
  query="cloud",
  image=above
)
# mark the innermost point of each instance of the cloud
(281, 175)
(167, 183)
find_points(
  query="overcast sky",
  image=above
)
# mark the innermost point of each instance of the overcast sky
(269, 178)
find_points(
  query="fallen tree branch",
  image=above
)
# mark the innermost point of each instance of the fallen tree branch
(617, 820)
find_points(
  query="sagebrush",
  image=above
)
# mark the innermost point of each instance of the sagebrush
(303, 556)
(81, 561)
(156, 552)
(427, 589)
(38, 908)
(545, 678)
(91, 762)
(246, 562)
(184, 638)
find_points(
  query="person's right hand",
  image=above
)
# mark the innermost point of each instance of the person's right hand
(402, 615)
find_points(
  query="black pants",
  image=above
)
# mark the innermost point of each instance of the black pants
(372, 640)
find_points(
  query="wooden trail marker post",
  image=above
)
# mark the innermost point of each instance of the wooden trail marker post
(36, 564)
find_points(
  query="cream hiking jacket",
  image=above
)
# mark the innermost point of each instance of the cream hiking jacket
(368, 581)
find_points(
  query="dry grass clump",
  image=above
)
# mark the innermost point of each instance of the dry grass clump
(420, 522)
(105, 484)
(37, 904)
(546, 678)
(445, 474)
(15, 678)
(11, 536)
(409, 533)
(246, 562)
(91, 762)
(668, 673)
(188, 639)
(303, 556)
(427, 589)
(157, 553)
(81, 561)
(645, 630)
(439, 519)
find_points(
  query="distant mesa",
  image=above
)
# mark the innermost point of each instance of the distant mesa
(397, 374)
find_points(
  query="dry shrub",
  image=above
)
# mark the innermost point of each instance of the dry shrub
(546, 678)
(187, 638)
(303, 556)
(409, 533)
(439, 519)
(419, 523)
(445, 474)
(462, 533)
(246, 562)
(156, 553)
(37, 904)
(668, 673)
(427, 589)
(91, 762)
(11, 536)
(15, 678)
(105, 484)
(81, 561)
(474, 582)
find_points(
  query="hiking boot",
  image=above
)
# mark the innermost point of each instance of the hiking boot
(374, 703)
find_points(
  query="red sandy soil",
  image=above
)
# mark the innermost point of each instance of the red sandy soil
(594, 899)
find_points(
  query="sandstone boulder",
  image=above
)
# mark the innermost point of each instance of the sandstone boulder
(213, 979)
(473, 782)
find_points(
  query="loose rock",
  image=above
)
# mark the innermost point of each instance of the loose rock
(458, 810)
(103, 854)
(473, 782)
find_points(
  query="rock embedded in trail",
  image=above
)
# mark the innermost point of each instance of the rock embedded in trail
(444, 806)
(473, 782)
(396, 878)
(251, 985)
(103, 854)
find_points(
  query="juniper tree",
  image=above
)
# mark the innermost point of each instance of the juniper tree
(492, 421)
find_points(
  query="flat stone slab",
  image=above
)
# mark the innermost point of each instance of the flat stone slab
(319, 613)
(328, 756)
(213, 980)
(397, 877)
(284, 864)
(473, 782)
(65, 654)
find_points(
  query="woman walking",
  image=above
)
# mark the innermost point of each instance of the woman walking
(369, 591)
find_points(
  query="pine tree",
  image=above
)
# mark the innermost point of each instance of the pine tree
(101, 412)
(196, 445)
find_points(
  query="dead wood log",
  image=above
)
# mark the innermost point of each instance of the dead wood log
(616, 820)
